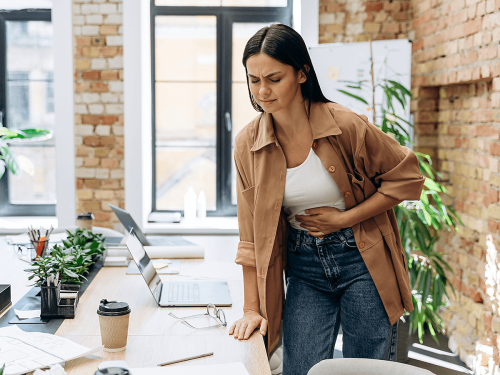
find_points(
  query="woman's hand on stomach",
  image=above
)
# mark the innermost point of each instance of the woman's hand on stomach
(321, 221)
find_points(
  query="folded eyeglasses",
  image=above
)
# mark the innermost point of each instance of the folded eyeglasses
(212, 312)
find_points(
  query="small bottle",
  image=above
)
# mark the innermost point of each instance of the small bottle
(202, 206)
(190, 205)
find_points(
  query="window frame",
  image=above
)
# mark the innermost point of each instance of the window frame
(6, 208)
(225, 17)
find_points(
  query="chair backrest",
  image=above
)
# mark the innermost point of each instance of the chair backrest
(363, 366)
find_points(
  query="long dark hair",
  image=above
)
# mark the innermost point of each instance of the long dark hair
(284, 44)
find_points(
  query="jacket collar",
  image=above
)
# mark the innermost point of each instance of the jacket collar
(321, 120)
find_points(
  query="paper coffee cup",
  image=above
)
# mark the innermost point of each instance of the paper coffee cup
(113, 320)
(85, 221)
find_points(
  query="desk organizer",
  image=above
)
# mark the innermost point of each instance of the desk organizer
(59, 301)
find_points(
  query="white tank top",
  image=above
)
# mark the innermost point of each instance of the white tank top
(309, 185)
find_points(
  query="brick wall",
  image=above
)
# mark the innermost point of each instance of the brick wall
(456, 95)
(456, 84)
(358, 20)
(99, 108)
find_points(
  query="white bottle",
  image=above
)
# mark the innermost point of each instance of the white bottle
(190, 205)
(202, 206)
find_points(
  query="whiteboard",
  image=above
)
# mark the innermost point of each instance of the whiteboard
(334, 62)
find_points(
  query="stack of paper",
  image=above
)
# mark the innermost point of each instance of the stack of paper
(23, 352)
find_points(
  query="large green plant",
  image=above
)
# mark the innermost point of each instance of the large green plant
(420, 222)
(7, 158)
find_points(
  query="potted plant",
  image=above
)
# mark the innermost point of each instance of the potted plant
(419, 221)
(71, 261)
(88, 240)
(7, 158)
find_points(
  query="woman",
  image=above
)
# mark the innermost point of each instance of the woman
(316, 184)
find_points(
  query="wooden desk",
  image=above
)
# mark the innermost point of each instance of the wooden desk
(155, 337)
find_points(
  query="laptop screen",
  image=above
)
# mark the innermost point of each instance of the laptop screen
(129, 223)
(145, 265)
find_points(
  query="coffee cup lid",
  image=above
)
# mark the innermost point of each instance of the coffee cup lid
(113, 308)
(112, 371)
(87, 216)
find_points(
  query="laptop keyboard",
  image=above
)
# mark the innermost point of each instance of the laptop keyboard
(184, 292)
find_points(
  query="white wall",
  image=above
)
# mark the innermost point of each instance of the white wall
(306, 20)
(137, 104)
(64, 115)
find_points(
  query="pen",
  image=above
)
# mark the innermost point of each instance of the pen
(186, 359)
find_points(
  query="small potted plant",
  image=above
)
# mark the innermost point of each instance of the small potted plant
(71, 261)
(93, 242)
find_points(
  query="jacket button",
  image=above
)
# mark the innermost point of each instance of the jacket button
(315, 144)
(361, 245)
(331, 168)
(347, 194)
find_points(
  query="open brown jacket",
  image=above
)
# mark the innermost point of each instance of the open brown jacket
(362, 160)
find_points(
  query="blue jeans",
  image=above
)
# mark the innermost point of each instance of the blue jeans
(328, 284)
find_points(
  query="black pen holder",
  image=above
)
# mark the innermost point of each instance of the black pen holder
(53, 306)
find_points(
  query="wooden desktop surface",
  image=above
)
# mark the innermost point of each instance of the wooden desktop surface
(155, 337)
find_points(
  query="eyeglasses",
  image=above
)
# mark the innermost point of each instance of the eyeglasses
(212, 312)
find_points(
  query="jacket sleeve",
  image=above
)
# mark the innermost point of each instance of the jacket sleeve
(393, 168)
(246, 250)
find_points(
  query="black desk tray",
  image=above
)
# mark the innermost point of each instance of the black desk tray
(53, 306)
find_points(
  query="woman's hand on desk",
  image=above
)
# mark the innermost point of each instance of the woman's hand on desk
(244, 327)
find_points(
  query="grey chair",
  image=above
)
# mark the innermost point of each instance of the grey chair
(363, 366)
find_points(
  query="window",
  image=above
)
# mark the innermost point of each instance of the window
(27, 101)
(200, 95)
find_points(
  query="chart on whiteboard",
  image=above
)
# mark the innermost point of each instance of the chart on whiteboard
(336, 63)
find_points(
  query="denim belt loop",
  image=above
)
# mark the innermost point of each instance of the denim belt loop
(340, 235)
(298, 239)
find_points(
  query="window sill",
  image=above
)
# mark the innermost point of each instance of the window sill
(19, 224)
(211, 225)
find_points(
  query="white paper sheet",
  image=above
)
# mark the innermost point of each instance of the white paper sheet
(23, 352)
(235, 368)
(27, 314)
(173, 268)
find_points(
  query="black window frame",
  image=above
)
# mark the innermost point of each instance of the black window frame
(6, 208)
(225, 16)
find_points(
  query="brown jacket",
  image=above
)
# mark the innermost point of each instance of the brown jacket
(362, 160)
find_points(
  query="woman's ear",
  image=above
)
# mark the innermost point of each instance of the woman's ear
(302, 76)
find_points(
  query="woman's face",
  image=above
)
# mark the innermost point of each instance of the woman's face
(274, 85)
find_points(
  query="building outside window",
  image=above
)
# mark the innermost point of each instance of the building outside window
(27, 101)
(200, 95)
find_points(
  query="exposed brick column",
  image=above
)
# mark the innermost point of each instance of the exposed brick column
(99, 107)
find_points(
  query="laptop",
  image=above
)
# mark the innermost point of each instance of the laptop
(129, 223)
(181, 293)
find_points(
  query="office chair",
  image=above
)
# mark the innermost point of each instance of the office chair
(363, 366)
